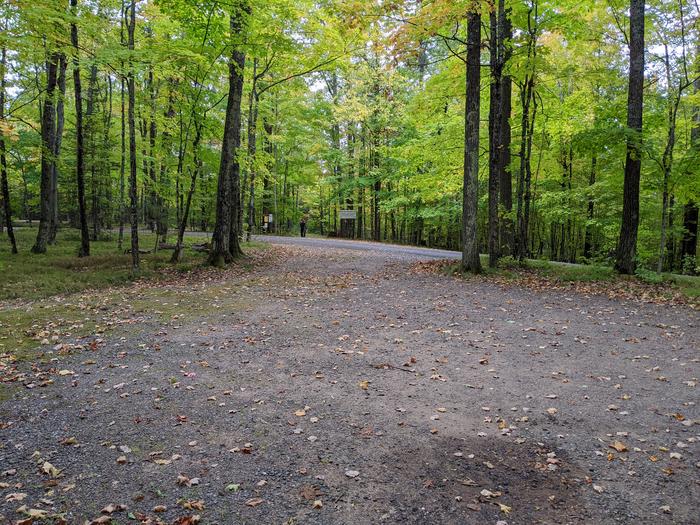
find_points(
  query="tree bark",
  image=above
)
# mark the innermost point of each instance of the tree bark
(225, 244)
(506, 183)
(236, 99)
(133, 190)
(252, 149)
(89, 115)
(122, 158)
(84, 249)
(625, 261)
(470, 245)
(495, 131)
(48, 144)
(60, 120)
(588, 236)
(527, 100)
(7, 207)
(153, 204)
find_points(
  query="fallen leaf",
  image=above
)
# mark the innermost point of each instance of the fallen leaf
(49, 469)
(187, 520)
(619, 446)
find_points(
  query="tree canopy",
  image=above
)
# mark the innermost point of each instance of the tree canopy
(281, 109)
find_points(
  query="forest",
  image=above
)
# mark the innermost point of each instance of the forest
(567, 131)
(492, 320)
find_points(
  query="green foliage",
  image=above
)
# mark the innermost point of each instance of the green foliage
(359, 105)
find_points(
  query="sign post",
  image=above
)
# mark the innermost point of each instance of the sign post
(347, 223)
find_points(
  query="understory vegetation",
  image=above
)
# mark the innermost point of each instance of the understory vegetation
(560, 131)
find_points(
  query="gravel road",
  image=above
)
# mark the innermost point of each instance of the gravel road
(334, 381)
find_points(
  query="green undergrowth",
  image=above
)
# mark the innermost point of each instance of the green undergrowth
(58, 297)
(29, 276)
(510, 269)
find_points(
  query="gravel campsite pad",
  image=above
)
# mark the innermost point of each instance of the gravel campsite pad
(335, 385)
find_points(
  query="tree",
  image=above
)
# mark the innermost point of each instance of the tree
(625, 261)
(528, 104)
(505, 185)
(7, 207)
(48, 148)
(133, 191)
(79, 143)
(496, 52)
(470, 245)
(225, 242)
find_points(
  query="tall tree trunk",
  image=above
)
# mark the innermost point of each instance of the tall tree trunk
(106, 168)
(470, 245)
(627, 244)
(133, 196)
(689, 242)
(521, 245)
(7, 208)
(89, 115)
(84, 250)
(225, 245)
(236, 99)
(495, 133)
(252, 149)
(48, 144)
(60, 120)
(588, 236)
(528, 171)
(122, 158)
(177, 253)
(506, 182)
(527, 100)
(153, 208)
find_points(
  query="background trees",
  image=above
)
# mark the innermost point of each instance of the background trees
(356, 105)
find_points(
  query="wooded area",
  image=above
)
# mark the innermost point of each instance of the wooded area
(568, 131)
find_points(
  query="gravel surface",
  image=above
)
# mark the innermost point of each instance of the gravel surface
(342, 384)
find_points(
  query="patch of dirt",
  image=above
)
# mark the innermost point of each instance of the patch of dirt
(451, 480)
(338, 386)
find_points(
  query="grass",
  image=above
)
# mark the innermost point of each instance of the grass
(687, 285)
(31, 276)
(572, 272)
(42, 299)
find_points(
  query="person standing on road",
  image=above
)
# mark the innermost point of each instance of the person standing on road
(302, 226)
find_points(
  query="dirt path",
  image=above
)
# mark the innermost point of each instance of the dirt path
(345, 386)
